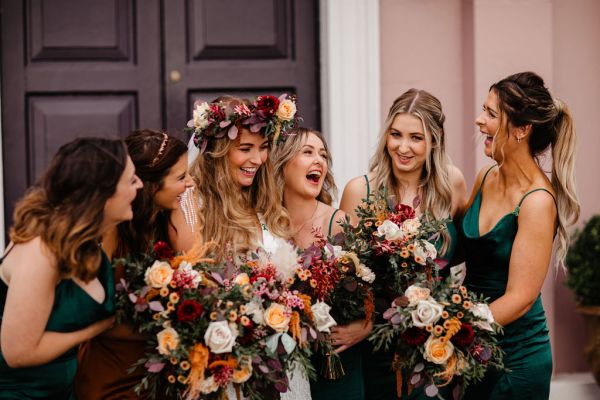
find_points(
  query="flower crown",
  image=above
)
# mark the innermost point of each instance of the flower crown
(269, 114)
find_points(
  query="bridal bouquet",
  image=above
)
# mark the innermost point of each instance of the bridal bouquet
(396, 244)
(205, 340)
(340, 289)
(442, 335)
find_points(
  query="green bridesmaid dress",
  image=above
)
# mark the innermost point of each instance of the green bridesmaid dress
(73, 309)
(378, 377)
(525, 341)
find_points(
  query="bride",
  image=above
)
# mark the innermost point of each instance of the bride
(237, 202)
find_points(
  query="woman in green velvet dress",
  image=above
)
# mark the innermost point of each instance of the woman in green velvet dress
(56, 284)
(411, 163)
(514, 216)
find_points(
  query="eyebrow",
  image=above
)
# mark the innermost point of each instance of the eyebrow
(409, 133)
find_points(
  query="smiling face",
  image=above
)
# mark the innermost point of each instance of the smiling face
(118, 207)
(248, 152)
(489, 124)
(174, 184)
(305, 173)
(406, 144)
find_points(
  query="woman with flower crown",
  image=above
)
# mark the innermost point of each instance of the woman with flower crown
(514, 215)
(238, 205)
(303, 174)
(412, 165)
(161, 164)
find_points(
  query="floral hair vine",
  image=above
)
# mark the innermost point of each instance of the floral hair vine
(269, 115)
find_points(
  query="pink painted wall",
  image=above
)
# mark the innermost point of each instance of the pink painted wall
(457, 48)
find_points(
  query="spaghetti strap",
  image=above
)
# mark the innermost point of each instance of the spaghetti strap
(485, 176)
(368, 185)
(331, 221)
(531, 191)
(12, 246)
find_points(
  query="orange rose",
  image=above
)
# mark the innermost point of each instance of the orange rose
(277, 317)
(286, 110)
(168, 340)
(438, 351)
(159, 275)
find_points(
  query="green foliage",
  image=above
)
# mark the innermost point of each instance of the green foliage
(583, 264)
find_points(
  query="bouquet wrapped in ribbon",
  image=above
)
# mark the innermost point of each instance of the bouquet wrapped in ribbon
(442, 335)
(204, 338)
(339, 286)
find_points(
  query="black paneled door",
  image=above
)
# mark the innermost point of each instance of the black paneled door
(87, 67)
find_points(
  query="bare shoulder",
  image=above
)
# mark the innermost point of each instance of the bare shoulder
(538, 206)
(33, 260)
(457, 179)
(354, 191)
(459, 191)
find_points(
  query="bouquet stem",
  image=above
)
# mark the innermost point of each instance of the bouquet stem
(333, 368)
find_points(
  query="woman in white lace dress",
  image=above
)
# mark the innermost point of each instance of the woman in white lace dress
(237, 202)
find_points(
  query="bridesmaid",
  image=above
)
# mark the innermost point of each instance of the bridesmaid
(515, 214)
(303, 172)
(161, 163)
(56, 284)
(410, 162)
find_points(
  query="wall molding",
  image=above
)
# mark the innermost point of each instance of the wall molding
(350, 83)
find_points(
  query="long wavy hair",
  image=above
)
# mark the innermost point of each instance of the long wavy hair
(523, 99)
(153, 154)
(65, 208)
(289, 148)
(227, 211)
(435, 182)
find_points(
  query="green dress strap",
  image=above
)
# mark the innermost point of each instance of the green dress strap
(528, 193)
(331, 221)
(368, 185)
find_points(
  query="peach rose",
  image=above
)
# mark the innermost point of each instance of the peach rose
(277, 317)
(168, 340)
(159, 275)
(241, 279)
(438, 351)
(242, 374)
(286, 110)
(416, 293)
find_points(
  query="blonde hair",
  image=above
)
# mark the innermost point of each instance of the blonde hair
(66, 206)
(435, 179)
(523, 99)
(227, 211)
(289, 148)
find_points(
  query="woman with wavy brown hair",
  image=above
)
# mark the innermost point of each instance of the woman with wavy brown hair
(56, 284)
(516, 213)
(161, 164)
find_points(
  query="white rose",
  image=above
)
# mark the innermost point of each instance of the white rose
(209, 385)
(423, 251)
(415, 294)
(256, 311)
(410, 227)
(219, 337)
(390, 230)
(323, 320)
(200, 120)
(428, 312)
(337, 251)
(159, 275)
(484, 314)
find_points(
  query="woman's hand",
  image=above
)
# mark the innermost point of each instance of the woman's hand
(347, 336)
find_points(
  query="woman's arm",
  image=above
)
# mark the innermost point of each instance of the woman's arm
(459, 193)
(181, 235)
(529, 259)
(29, 301)
(354, 192)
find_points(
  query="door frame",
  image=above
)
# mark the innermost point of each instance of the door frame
(342, 89)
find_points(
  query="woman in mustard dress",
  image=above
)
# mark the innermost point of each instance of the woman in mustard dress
(56, 284)
(516, 213)
(410, 162)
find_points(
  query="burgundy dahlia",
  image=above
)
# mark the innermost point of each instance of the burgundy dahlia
(189, 310)
(402, 212)
(414, 336)
(163, 251)
(266, 106)
(464, 337)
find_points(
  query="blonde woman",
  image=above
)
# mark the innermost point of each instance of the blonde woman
(412, 165)
(303, 173)
(515, 214)
(238, 203)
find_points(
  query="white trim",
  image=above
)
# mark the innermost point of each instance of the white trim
(2, 239)
(350, 83)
